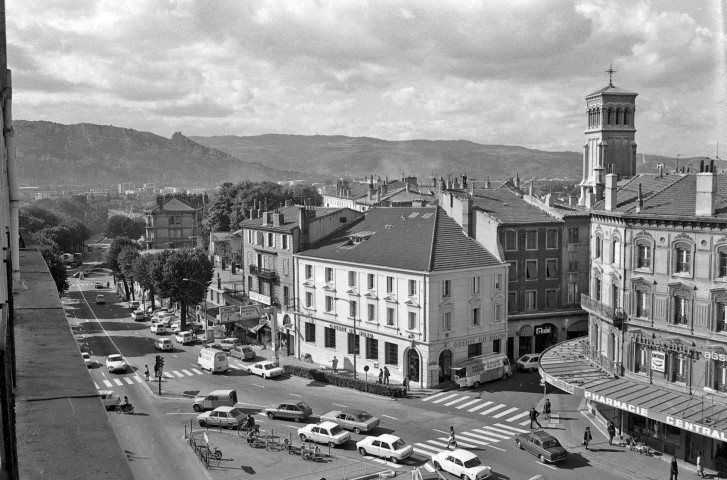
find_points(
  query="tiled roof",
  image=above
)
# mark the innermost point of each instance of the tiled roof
(509, 208)
(409, 238)
(290, 219)
(611, 90)
(667, 196)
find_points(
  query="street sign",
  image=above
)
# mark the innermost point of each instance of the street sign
(229, 314)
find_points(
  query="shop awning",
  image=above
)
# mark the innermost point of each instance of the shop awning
(248, 323)
(565, 367)
(258, 327)
(526, 331)
(579, 326)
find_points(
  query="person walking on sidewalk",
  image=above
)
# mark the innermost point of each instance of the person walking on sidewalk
(611, 432)
(546, 409)
(381, 376)
(386, 375)
(700, 468)
(673, 469)
(534, 418)
(587, 437)
(334, 364)
(451, 441)
(406, 383)
(146, 372)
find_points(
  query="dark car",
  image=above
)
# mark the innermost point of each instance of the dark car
(356, 420)
(296, 411)
(243, 353)
(541, 444)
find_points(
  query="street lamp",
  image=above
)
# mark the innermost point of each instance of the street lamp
(187, 280)
(355, 337)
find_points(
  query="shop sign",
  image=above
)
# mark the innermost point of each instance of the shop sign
(250, 312)
(556, 382)
(696, 428)
(229, 314)
(479, 339)
(259, 297)
(658, 361)
(611, 402)
(542, 330)
(343, 328)
(720, 357)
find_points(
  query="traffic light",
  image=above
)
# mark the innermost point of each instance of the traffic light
(157, 362)
(161, 362)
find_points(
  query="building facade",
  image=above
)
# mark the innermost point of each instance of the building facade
(402, 288)
(174, 222)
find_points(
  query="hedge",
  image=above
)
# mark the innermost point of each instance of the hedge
(348, 382)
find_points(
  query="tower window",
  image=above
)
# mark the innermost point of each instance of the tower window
(627, 120)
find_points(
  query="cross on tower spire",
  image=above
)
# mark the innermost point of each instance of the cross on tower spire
(610, 72)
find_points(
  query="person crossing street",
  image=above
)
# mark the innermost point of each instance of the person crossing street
(534, 418)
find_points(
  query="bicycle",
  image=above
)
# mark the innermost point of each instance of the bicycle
(636, 445)
(255, 441)
(217, 453)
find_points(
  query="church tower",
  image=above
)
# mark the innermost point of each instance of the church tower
(610, 139)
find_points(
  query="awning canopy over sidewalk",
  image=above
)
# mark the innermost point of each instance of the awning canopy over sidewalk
(568, 368)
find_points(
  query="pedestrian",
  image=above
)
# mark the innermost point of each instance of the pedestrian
(146, 372)
(587, 437)
(674, 469)
(546, 409)
(334, 364)
(386, 375)
(534, 418)
(452, 441)
(611, 432)
(381, 376)
(406, 383)
(700, 468)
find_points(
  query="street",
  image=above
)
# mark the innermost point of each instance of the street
(485, 419)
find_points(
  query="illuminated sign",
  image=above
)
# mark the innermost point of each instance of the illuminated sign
(720, 357)
(542, 330)
(611, 402)
(259, 297)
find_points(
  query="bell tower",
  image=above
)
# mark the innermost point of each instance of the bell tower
(610, 139)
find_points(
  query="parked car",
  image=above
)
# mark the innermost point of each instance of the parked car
(461, 463)
(328, 433)
(115, 363)
(223, 417)
(109, 399)
(176, 326)
(184, 338)
(228, 344)
(528, 362)
(164, 343)
(86, 359)
(133, 304)
(169, 319)
(158, 314)
(139, 315)
(243, 353)
(98, 285)
(356, 420)
(265, 369)
(541, 444)
(295, 411)
(386, 446)
(158, 328)
(100, 299)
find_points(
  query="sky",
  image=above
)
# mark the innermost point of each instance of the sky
(511, 72)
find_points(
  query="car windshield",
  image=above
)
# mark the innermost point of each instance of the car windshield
(303, 405)
(336, 430)
(115, 358)
(268, 366)
(236, 412)
(399, 444)
(363, 416)
(526, 358)
(472, 462)
(550, 443)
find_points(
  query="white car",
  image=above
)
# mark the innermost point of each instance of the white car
(328, 433)
(176, 326)
(158, 328)
(461, 463)
(115, 363)
(389, 447)
(184, 338)
(86, 359)
(109, 399)
(138, 315)
(266, 369)
(529, 362)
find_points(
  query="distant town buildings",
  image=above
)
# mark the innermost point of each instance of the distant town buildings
(362, 196)
(174, 222)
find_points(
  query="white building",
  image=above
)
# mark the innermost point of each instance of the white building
(404, 288)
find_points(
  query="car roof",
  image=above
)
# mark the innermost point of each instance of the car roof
(387, 437)
(543, 435)
(223, 409)
(462, 454)
(105, 392)
(326, 424)
(114, 355)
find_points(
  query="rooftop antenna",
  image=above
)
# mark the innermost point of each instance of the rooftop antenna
(610, 72)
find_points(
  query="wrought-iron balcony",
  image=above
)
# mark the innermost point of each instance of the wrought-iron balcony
(616, 315)
(263, 272)
(597, 358)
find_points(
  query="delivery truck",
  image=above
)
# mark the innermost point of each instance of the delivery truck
(482, 368)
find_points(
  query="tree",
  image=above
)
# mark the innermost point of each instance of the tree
(177, 266)
(123, 226)
(142, 273)
(34, 218)
(126, 258)
(112, 258)
(52, 256)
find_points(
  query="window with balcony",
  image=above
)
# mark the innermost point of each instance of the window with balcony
(643, 255)
(353, 344)
(329, 337)
(616, 252)
(329, 303)
(390, 316)
(551, 268)
(372, 349)
(310, 332)
(678, 368)
(389, 284)
(573, 235)
(550, 299)
(641, 358)
(329, 275)
(371, 312)
(721, 320)
(573, 293)
(643, 304)
(447, 321)
(308, 272)
(531, 270)
(476, 316)
(551, 239)
(391, 353)
(531, 240)
(512, 301)
(474, 349)
(370, 281)
(510, 240)
(308, 300)
(412, 321)
(531, 297)
(446, 288)
(681, 311)
(476, 284)
(352, 309)
(351, 279)
(683, 258)
(412, 288)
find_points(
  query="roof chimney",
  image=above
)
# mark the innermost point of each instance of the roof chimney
(303, 225)
(706, 188)
(611, 192)
(640, 206)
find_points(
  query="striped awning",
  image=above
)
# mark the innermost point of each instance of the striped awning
(579, 326)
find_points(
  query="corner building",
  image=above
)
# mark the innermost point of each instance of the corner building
(403, 288)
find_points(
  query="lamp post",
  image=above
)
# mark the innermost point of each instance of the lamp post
(187, 280)
(355, 337)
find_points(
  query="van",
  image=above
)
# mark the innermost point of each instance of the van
(218, 398)
(213, 360)
(483, 368)
(163, 344)
(228, 344)
(184, 338)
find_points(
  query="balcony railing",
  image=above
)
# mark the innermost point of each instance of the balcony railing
(605, 363)
(263, 272)
(617, 316)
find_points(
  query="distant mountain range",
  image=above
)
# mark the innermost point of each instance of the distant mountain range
(52, 154)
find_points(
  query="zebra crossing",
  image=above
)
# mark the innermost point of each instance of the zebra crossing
(130, 379)
(476, 438)
(472, 405)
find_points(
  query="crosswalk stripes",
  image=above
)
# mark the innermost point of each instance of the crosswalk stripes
(432, 397)
(496, 437)
(128, 380)
(96, 385)
(178, 374)
(168, 375)
(506, 412)
(483, 405)
(475, 438)
(490, 410)
(445, 398)
(467, 437)
(468, 403)
(107, 383)
(519, 415)
(508, 428)
(187, 372)
(138, 379)
(118, 382)
(524, 423)
(457, 400)
(197, 371)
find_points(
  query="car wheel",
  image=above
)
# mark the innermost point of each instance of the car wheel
(356, 430)
(302, 437)
(362, 451)
(202, 423)
(394, 460)
(531, 370)
(465, 477)
(437, 466)
(271, 415)
(519, 445)
(542, 459)
(504, 376)
(476, 385)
